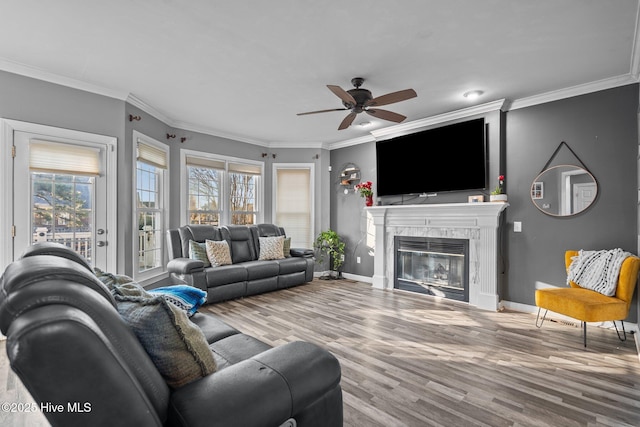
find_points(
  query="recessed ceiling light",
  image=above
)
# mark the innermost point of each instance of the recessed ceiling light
(473, 94)
(365, 124)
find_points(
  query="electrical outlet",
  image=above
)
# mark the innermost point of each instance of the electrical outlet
(341, 257)
(358, 260)
(517, 227)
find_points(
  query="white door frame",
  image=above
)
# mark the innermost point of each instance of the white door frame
(7, 129)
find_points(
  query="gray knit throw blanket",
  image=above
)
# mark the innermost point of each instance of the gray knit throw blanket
(597, 270)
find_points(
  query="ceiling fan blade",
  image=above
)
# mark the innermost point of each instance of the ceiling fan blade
(342, 94)
(385, 115)
(390, 98)
(347, 121)
(321, 111)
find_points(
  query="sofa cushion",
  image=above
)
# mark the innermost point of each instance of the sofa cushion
(236, 348)
(218, 252)
(212, 327)
(197, 233)
(241, 242)
(225, 275)
(198, 251)
(292, 265)
(261, 269)
(185, 297)
(177, 347)
(271, 248)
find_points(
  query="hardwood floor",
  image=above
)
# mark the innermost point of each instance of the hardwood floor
(412, 360)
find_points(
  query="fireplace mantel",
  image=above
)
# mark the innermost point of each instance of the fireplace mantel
(477, 222)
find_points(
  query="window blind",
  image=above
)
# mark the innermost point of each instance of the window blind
(151, 155)
(245, 168)
(293, 204)
(58, 157)
(203, 162)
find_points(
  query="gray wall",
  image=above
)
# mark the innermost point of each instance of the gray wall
(602, 130)
(31, 100)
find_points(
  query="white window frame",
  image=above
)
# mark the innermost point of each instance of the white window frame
(160, 272)
(225, 208)
(274, 182)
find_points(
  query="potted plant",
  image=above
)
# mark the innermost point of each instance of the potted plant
(330, 245)
(498, 194)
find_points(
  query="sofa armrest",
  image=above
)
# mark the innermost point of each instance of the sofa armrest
(185, 266)
(267, 389)
(302, 252)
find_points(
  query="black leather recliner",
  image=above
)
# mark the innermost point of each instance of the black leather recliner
(69, 346)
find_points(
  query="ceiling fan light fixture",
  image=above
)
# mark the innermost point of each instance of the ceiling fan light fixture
(473, 94)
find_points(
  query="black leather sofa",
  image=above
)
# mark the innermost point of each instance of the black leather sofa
(70, 346)
(247, 275)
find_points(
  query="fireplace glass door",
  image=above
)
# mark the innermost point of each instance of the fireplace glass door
(432, 266)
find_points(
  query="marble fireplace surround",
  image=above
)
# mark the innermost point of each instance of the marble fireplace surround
(476, 222)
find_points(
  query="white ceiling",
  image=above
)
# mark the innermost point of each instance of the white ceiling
(243, 69)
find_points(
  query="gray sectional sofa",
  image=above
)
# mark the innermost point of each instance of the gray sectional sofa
(75, 342)
(247, 275)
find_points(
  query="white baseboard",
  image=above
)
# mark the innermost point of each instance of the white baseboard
(364, 279)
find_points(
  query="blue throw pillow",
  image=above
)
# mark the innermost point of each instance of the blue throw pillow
(185, 297)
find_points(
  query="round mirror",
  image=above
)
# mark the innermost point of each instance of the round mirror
(564, 190)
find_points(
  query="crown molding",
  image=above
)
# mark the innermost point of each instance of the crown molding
(569, 92)
(147, 108)
(39, 74)
(405, 128)
(409, 127)
(351, 142)
(308, 144)
(214, 132)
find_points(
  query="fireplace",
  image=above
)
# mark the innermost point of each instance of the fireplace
(432, 266)
(478, 223)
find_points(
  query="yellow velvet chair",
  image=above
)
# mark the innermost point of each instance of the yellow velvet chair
(591, 306)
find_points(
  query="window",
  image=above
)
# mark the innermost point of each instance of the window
(293, 202)
(221, 190)
(242, 193)
(152, 160)
(204, 190)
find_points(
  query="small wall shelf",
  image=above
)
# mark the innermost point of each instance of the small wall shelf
(350, 175)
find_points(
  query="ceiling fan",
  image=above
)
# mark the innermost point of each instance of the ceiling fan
(358, 100)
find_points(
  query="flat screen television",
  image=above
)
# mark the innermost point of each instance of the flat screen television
(447, 158)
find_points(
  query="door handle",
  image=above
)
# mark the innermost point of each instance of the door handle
(101, 243)
(100, 231)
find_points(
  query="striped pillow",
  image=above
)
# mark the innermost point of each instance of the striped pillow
(198, 251)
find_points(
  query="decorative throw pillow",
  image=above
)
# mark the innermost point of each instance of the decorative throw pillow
(218, 252)
(271, 247)
(177, 347)
(186, 297)
(198, 251)
(110, 279)
(286, 247)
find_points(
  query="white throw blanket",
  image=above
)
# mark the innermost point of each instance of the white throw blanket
(597, 270)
